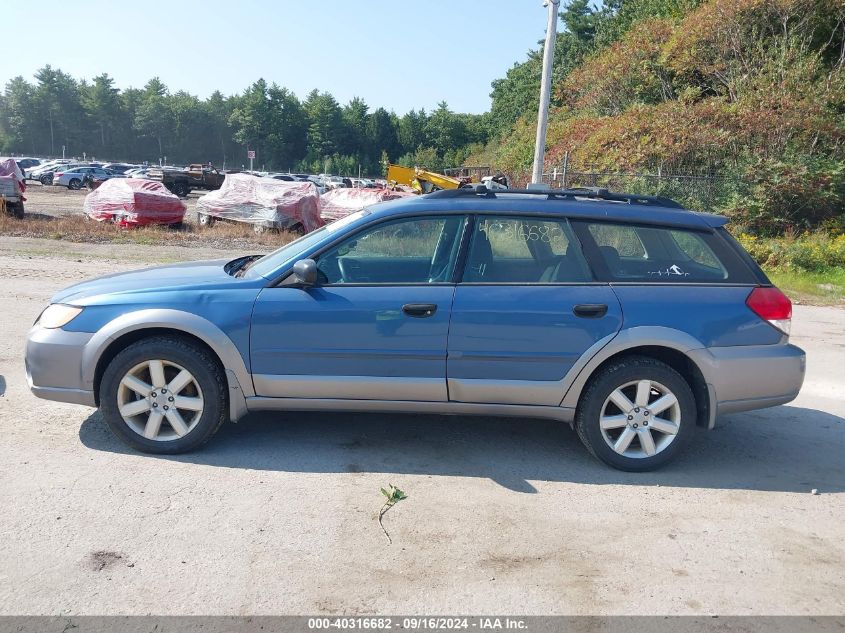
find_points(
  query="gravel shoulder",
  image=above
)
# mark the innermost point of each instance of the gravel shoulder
(278, 514)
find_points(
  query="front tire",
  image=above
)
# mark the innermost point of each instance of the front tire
(636, 414)
(164, 395)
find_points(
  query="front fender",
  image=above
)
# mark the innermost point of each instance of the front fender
(177, 320)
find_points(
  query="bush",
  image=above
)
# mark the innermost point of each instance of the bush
(790, 195)
(812, 252)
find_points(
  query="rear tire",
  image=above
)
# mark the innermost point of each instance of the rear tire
(205, 220)
(146, 377)
(636, 414)
(17, 210)
(75, 184)
(46, 179)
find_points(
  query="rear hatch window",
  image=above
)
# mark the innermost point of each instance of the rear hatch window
(654, 254)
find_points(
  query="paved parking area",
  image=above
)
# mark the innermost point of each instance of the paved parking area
(278, 514)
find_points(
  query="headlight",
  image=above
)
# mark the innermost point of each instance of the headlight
(58, 315)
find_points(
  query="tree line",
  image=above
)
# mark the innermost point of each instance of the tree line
(57, 112)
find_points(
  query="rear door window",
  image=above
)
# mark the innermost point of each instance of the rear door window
(524, 249)
(640, 253)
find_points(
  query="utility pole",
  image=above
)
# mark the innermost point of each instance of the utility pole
(545, 91)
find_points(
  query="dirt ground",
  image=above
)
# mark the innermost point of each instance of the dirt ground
(278, 514)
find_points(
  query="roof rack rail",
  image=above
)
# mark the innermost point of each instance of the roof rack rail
(592, 193)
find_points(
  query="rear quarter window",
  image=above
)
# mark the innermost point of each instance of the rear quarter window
(655, 254)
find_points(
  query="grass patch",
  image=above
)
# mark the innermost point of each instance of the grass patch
(815, 288)
(76, 228)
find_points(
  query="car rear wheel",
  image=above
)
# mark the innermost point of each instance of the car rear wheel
(46, 179)
(205, 220)
(163, 395)
(637, 414)
(74, 184)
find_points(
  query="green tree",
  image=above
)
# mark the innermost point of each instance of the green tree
(154, 116)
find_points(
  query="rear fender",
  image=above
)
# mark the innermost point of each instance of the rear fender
(583, 370)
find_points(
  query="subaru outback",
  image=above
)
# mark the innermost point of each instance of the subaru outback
(629, 317)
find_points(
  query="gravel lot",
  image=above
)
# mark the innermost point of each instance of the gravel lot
(278, 514)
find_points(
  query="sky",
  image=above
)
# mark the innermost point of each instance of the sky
(397, 54)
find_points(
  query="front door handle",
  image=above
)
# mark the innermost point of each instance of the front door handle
(419, 310)
(590, 310)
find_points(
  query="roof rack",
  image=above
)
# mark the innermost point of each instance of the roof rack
(592, 193)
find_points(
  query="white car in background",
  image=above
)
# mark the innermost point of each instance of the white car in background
(75, 178)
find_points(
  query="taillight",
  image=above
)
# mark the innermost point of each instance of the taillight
(771, 305)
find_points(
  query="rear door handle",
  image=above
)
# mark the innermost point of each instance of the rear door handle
(419, 310)
(590, 310)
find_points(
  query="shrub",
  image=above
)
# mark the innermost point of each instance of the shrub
(790, 195)
(812, 252)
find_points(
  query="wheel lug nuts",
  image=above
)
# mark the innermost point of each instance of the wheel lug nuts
(164, 391)
(153, 394)
(645, 423)
(637, 410)
(635, 426)
(645, 412)
(166, 407)
(155, 405)
(170, 399)
(630, 417)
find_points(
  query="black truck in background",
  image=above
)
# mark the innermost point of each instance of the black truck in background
(182, 181)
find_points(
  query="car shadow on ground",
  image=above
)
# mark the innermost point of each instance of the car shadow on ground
(789, 449)
(2, 385)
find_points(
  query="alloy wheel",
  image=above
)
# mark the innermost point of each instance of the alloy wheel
(160, 400)
(640, 419)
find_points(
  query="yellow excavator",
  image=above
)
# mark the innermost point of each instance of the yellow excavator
(420, 180)
(424, 181)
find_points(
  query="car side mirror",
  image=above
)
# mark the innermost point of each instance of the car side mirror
(305, 272)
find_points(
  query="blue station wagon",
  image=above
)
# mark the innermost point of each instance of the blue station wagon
(626, 316)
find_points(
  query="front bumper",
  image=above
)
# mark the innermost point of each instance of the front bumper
(54, 365)
(747, 377)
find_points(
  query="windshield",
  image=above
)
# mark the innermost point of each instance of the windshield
(289, 253)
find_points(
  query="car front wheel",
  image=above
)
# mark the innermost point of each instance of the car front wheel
(636, 414)
(163, 395)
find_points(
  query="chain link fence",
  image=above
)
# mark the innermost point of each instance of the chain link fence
(709, 192)
(701, 193)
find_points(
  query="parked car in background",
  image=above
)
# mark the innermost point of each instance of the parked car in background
(119, 168)
(46, 169)
(76, 177)
(44, 173)
(27, 163)
(138, 172)
(626, 316)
